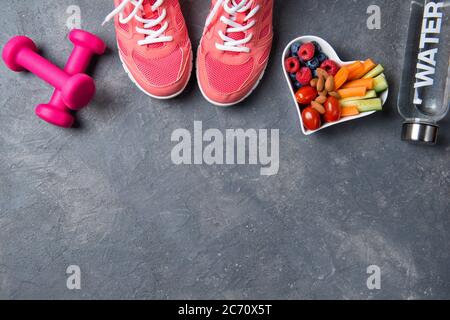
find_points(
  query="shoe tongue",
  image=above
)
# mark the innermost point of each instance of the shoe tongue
(240, 18)
(149, 14)
(148, 7)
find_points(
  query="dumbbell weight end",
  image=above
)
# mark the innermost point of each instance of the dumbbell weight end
(13, 48)
(55, 116)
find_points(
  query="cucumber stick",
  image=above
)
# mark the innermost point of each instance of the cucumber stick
(370, 94)
(365, 105)
(380, 83)
(375, 72)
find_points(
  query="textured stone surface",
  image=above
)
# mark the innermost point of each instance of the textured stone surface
(107, 197)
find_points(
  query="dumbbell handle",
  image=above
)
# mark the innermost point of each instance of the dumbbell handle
(42, 68)
(79, 59)
(78, 62)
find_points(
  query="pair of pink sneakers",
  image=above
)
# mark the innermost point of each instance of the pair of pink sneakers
(156, 52)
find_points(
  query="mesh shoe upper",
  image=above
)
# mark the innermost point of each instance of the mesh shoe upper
(227, 77)
(161, 69)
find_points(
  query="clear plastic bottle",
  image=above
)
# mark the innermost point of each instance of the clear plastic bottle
(425, 88)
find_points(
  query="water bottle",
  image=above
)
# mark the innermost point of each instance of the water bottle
(425, 88)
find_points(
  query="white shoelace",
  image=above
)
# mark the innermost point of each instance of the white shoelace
(233, 8)
(152, 36)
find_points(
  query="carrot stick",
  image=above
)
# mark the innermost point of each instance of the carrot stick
(354, 66)
(354, 75)
(368, 83)
(352, 92)
(349, 111)
(360, 72)
(341, 77)
(369, 65)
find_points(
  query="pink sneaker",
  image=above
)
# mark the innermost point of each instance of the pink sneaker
(234, 49)
(154, 45)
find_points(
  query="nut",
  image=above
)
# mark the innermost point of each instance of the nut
(321, 83)
(322, 72)
(313, 82)
(323, 93)
(329, 84)
(335, 94)
(318, 107)
(321, 99)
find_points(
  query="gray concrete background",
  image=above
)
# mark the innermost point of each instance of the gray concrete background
(106, 196)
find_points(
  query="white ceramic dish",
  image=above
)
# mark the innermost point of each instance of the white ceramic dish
(329, 51)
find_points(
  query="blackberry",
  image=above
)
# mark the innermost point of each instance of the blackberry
(318, 48)
(294, 49)
(293, 76)
(297, 85)
(313, 64)
(322, 57)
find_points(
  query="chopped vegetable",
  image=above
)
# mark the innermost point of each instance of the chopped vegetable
(375, 72)
(380, 83)
(367, 66)
(370, 94)
(349, 111)
(365, 105)
(368, 83)
(352, 92)
(354, 66)
(340, 78)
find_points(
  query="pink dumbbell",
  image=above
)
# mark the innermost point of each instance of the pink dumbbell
(20, 54)
(86, 45)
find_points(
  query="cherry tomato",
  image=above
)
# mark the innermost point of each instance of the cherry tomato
(306, 95)
(332, 110)
(311, 119)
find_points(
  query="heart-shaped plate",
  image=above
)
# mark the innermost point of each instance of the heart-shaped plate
(329, 51)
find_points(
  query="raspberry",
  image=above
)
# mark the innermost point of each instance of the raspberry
(292, 65)
(307, 51)
(304, 76)
(330, 67)
(313, 64)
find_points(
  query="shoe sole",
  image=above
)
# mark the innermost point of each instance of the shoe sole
(149, 94)
(233, 103)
